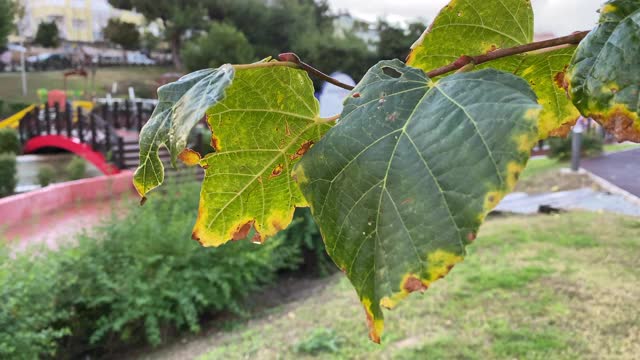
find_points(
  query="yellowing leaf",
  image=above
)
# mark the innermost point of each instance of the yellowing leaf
(266, 122)
(605, 72)
(470, 27)
(401, 185)
(546, 73)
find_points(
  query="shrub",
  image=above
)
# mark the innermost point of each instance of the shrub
(139, 274)
(134, 279)
(7, 174)
(46, 175)
(77, 168)
(318, 341)
(29, 315)
(560, 148)
(9, 141)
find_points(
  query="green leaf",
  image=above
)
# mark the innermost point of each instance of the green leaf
(401, 185)
(466, 27)
(267, 121)
(181, 105)
(605, 71)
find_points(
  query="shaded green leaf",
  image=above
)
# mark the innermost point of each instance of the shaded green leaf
(466, 27)
(605, 71)
(181, 105)
(401, 185)
(267, 121)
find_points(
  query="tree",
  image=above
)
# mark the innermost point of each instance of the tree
(177, 18)
(400, 182)
(222, 43)
(123, 33)
(7, 11)
(330, 53)
(149, 41)
(47, 35)
(395, 41)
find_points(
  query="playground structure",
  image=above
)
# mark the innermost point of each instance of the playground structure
(109, 141)
(107, 136)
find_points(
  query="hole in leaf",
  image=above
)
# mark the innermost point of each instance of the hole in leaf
(389, 71)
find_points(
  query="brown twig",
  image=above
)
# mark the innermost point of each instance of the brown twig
(463, 60)
(291, 57)
(460, 63)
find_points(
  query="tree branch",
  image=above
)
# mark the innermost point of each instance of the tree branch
(463, 60)
(291, 57)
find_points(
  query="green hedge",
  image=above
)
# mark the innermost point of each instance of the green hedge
(560, 148)
(136, 279)
(76, 169)
(8, 172)
(46, 175)
(30, 314)
(9, 141)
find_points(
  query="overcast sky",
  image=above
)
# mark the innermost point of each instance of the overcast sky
(560, 17)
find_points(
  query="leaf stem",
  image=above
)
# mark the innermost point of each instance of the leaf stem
(293, 58)
(464, 60)
(327, 120)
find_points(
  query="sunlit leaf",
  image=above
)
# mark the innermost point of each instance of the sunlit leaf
(605, 72)
(546, 73)
(467, 27)
(401, 185)
(266, 123)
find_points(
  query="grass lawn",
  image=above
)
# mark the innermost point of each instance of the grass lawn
(540, 165)
(557, 287)
(609, 148)
(11, 88)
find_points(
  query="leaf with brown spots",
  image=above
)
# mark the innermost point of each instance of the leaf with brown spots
(605, 72)
(396, 200)
(267, 121)
(189, 157)
(302, 150)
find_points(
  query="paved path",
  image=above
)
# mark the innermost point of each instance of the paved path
(621, 169)
(581, 199)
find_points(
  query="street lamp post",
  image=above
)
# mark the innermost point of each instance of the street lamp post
(576, 145)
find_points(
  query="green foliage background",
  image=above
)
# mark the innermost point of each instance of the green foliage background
(76, 169)
(7, 10)
(222, 44)
(47, 35)
(134, 280)
(9, 141)
(7, 174)
(46, 175)
(122, 33)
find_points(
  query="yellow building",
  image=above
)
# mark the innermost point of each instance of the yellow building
(77, 20)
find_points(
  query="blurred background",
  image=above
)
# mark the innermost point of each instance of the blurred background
(85, 272)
